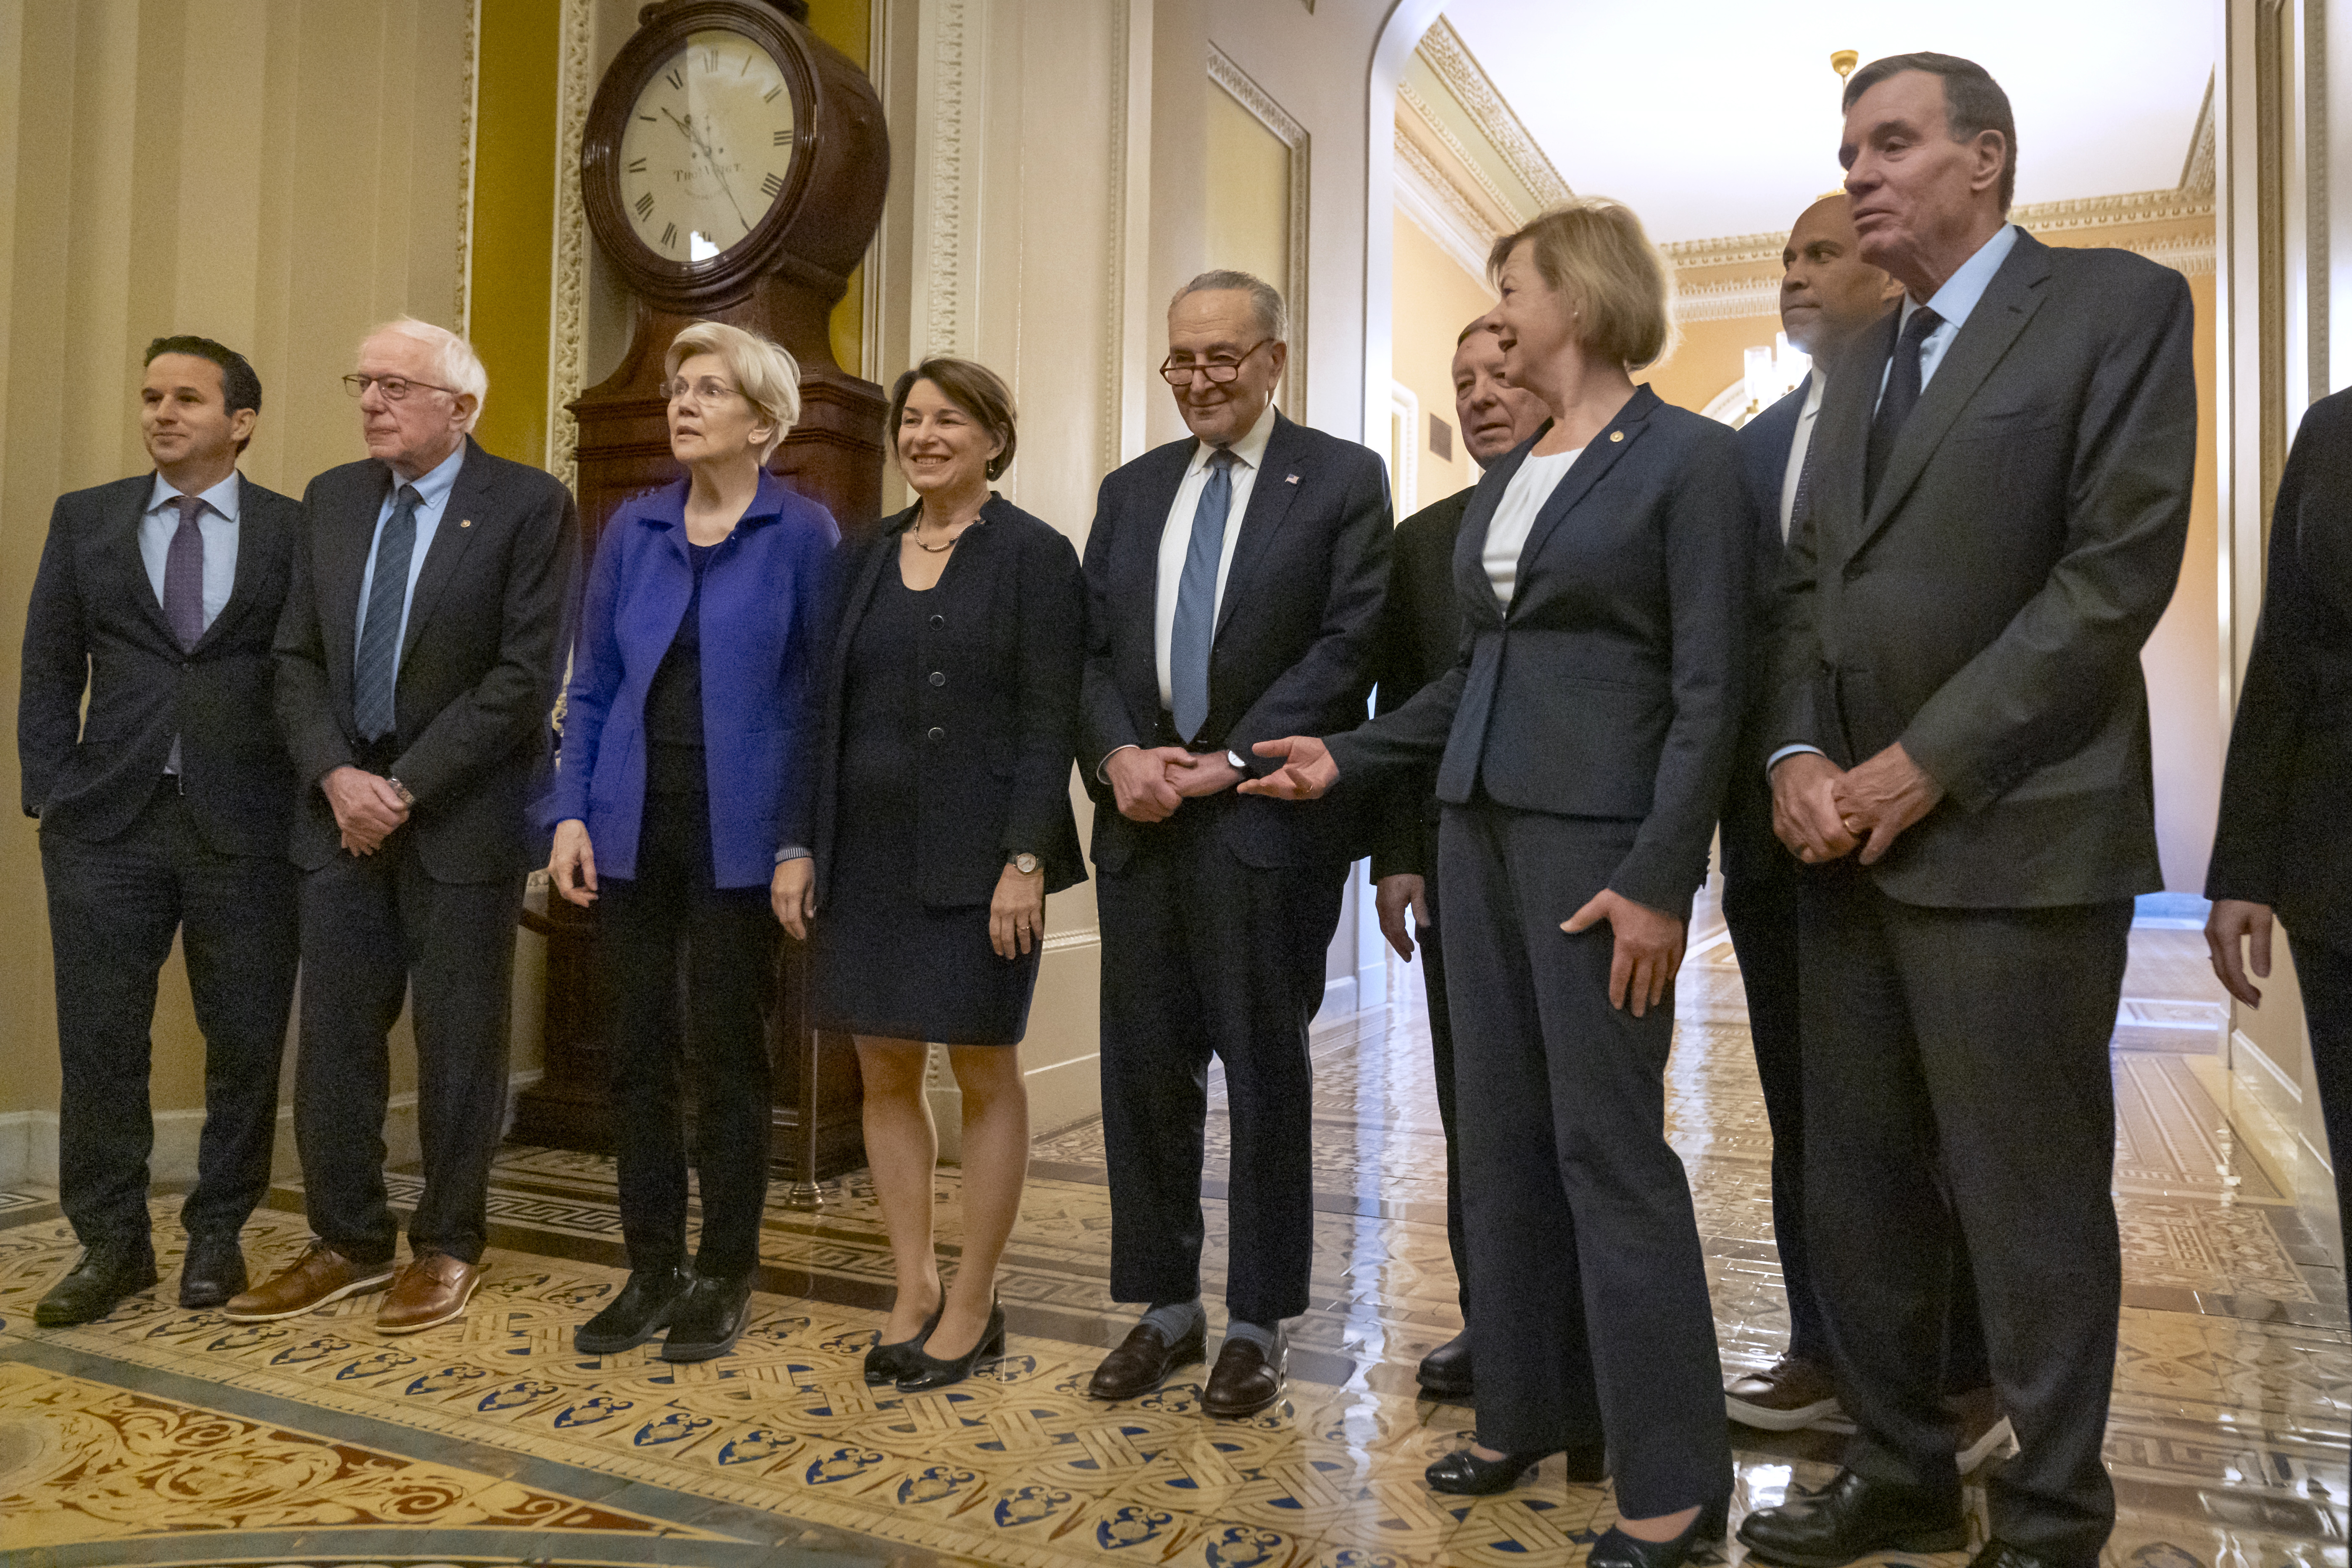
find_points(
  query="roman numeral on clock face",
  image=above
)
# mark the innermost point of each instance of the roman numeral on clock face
(783, 138)
(637, 165)
(669, 237)
(771, 187)
(644, 204)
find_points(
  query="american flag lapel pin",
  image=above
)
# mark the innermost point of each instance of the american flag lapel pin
(1291, 480)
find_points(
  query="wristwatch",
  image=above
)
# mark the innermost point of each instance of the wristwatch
(1239, 766)
(1025, 863)
(401, 790)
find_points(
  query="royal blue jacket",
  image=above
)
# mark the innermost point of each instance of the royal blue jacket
(764, 593)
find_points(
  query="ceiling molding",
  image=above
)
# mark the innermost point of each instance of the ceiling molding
(1438, 208)
(1731, 301)
(2197, 170)
(1418, 120)
(1443, 50)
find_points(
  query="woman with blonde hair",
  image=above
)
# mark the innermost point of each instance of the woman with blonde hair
(943, 820)
(1585, 738)
(681, 811)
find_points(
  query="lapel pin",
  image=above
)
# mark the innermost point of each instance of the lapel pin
(1616, 434)
(466, 522)
(1291, 480)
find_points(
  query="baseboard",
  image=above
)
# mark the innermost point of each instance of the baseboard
(1061, 1094)
(1338, 1000)
(28, 1140)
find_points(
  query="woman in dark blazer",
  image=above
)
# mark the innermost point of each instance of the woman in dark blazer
(1584, 737)
(943, 819)
(681, 809)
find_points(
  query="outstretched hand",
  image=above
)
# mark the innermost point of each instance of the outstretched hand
(1649, 947)
(1306, 773)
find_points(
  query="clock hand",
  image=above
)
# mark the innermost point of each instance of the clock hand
(711, 160)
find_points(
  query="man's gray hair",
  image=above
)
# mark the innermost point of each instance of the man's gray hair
(459, 368)
(1265, 300)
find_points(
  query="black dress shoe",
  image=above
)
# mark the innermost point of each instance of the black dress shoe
(1143, 1362)
(96, 1284)
(1245, 1379)
(1851, 1518)
(927, 1372)
(709, 1320)
(641, 1309)
(213, 1271)
(889, 1363)
(2000, 1554)
(1618, 1549)
(1463, 1474)
(1446, 1371)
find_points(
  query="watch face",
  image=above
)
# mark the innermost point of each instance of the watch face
(709, 145)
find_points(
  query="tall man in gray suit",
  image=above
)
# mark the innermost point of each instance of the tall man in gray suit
(2002, 503)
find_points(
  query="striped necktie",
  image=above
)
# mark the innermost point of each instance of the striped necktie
(379, 658)
(1196, 599)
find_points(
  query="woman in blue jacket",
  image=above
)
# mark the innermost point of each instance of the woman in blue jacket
(681, 809)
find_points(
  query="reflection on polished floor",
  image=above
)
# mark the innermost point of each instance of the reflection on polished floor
(164, 1437)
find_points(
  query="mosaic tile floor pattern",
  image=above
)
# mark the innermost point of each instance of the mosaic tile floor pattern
(166, 1436)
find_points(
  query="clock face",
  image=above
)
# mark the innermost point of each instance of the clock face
(708, 147)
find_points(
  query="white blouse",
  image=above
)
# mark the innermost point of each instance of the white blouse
(1514, 519)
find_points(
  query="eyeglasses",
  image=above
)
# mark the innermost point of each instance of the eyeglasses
(394, 388)
(708, 390)
(1219, 371)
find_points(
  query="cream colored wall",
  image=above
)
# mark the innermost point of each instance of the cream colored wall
(275, 174)
(1246, 190)
(1433, 300)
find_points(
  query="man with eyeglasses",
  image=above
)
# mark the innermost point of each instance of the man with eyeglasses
(163, 813)
(417, 660)
(1234, 580)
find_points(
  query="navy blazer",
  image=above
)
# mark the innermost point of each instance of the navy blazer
(2284, 840)
(1611, 688)
(1749, 849)
(764, 593)
(1001, 649)
(1293, 649)
(95, 623)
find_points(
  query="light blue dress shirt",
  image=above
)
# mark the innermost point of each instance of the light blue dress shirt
(433, 495)
(1953, 302)
(217, 523)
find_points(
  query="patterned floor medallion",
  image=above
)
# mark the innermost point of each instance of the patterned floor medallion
(170, 1436)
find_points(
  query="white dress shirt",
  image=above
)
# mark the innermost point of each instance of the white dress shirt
(1803, 443)
(1176, 535)
(217, 523)
(431, 494)
(1514, 519)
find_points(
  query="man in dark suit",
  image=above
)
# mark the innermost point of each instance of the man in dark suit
(2000, 503)
(165, 811)
(2281, 850)
(416, 666)
(1234, 580)
(1420, 638)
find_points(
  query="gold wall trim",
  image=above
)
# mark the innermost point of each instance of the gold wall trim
(1084, 936)
(1226, 74)
(469, 92)
(567, 356)
(1444, 52)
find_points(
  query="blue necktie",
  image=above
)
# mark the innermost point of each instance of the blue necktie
(1904, 383)
(1196, 599)
(379, 659)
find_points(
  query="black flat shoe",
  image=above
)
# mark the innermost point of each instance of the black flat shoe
(889, 1363)
(96, 1285)
(641, 1309)
(1445, 1372)
(213, 1271)
(1618, 1549)
(1463, 1474)
(710, 1320)
(926, 1372)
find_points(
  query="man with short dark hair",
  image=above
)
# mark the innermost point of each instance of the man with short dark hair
(1999, 505)
(1420, 638)
(1233, 580)
(163, 812)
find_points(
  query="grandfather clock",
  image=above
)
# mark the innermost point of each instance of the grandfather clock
(733, 169)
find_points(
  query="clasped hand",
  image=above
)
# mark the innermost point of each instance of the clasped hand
(1822, 811)
(1148, 784)
(367, 808)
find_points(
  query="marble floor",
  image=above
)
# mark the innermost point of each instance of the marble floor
(166, 1436)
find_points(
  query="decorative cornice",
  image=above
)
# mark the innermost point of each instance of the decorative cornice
(1442, 49)
(1729, 250)
(1726, 301)
(468, 93)
(1229, 75)
(568, 306)
(2197, 170)
(1426, 118)
(1439, 209)
(2104, 212)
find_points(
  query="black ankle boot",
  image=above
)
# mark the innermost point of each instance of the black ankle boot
(97, 1284)
(1618, 1549)
(889, 1363)
(640, 1312)
(710, 1320)
(927, 1372)
(1465, 1474)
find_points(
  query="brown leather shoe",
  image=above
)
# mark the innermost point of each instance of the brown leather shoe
(1790, 1393)
(1143, 1362)
(1246, 1380)
(431, 1290)
(319, 1276)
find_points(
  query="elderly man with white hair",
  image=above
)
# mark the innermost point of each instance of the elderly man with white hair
(417, 660)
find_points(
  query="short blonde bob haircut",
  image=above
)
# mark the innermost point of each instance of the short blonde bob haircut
(768, 377)
(1593, 250)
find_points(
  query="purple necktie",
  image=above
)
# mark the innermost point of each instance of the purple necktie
(183, 575)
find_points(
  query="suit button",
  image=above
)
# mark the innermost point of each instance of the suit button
(939, 677)
(938, 621)
(1853, 571)
(937, 733)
